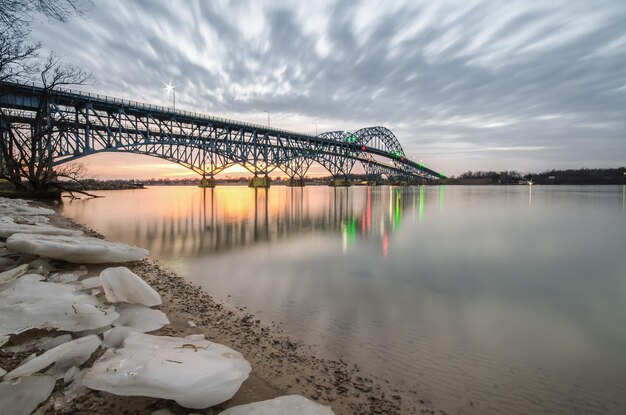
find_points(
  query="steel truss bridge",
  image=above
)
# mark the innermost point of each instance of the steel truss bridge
(89, 124)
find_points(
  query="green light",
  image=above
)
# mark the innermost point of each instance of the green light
(398, 210)
(351, 231)
(421, 209)
(351, 139)
(397, 154)
(442, 190)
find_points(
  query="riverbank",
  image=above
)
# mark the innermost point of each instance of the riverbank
(280, 365)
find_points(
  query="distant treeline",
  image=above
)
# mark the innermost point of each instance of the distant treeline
(578, 176)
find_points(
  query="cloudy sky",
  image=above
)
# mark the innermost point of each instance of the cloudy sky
(465, 85)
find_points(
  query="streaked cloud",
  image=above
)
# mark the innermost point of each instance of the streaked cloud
(452, 79)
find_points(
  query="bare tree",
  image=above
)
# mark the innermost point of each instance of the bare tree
(16, 15)
(26, 154)
(28, 148)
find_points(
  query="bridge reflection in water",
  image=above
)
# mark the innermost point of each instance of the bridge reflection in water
(189, 221)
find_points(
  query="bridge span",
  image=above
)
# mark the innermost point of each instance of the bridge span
(87, 124)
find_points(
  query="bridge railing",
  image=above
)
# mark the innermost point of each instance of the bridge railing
(156, 108)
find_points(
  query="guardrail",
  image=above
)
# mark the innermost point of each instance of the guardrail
(153, 108)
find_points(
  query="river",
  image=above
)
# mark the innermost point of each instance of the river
(481, 299)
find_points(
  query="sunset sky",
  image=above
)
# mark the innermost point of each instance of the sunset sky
(464, 85)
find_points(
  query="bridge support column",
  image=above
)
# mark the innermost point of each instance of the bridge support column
(262, 181)
(295, 182)
(340, 181)
(207, 182)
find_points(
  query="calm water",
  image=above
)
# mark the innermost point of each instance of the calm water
(485, 300)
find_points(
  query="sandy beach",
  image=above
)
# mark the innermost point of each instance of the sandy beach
(280, 365)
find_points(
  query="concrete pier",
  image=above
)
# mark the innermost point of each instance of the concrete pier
(207, 182)
(340, 182)
(259, 181)
(293, 182)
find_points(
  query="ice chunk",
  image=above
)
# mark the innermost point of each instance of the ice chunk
(41, 265)
(194, 373)
(6, 262)
(140, 318)
(2, 372)
(8, 228)
(12, 274)
(77, 249)
(31, 220)
(63, 277)
(115, 337)
(191, 324)
(195, 337)
(49, 343)
(75, 388)
(3, 340)
(283, 405)
(30, 303)
(64, 356)
(91, 282)
(121, 285)
(43, 344)
(24, 395)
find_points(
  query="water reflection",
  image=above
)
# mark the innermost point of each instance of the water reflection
(214, 220)
(509, 297)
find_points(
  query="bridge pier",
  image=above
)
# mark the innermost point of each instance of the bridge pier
(207, 182)
(262, 181)
(340, 181)
(294, 182)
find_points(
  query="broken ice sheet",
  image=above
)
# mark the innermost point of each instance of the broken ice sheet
(8, 227)
(42, 344)
(194, 373)
(283, 405)
(64, 356)
(12, 274)
(77, 249)
(23, 396)
(140, 318)
(30, 303)
(121, 285)
(91, 282)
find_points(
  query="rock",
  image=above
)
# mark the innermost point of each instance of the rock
(121, 285)
(77, 249)
(8, 228)
(283, 405)
(195, 373)
(29, 303)
(24, 395)
(64, 356)
(191, 324)
(12, 274)
(140, 318)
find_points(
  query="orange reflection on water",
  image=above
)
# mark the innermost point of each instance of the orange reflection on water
(189, 221)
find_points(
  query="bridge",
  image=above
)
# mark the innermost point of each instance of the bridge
(90, 123)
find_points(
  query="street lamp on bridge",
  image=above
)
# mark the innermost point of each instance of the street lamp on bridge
(268, 119)
(170, 89)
